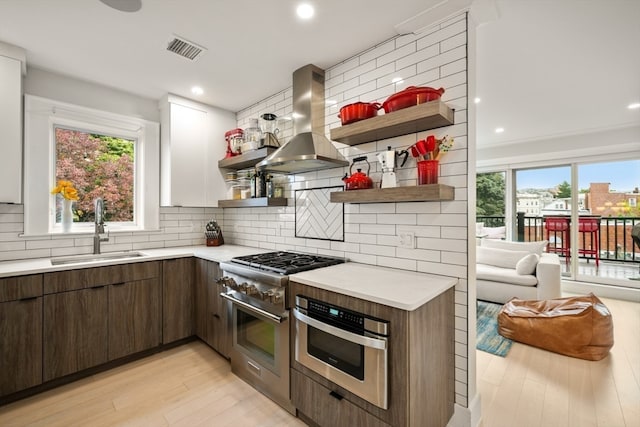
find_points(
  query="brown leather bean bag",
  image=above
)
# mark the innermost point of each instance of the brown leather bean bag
(579, 327)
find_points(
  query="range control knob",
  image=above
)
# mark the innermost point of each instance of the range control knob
(251, 290)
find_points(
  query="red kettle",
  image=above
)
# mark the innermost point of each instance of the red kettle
(358, 180)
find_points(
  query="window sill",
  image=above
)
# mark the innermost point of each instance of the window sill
(90, 233)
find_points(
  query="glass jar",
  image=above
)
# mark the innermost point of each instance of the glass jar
(251, 136)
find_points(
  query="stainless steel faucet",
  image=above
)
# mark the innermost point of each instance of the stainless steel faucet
(99, 225)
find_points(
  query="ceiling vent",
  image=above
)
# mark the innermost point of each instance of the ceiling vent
(185, 48)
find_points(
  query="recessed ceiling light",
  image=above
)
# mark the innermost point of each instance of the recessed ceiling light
(124, 5)
(499, 130)
(476, 100)
(305, 11)
(634, 106)
(197, 90)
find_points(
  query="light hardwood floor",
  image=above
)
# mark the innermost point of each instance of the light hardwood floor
(193, 386)
(533, 387)
(190, 385)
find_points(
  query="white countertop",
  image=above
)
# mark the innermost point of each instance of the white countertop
(406, 290)
(212, 253)
(401, 289)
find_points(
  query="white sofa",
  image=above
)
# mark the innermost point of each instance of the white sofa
(516, 269)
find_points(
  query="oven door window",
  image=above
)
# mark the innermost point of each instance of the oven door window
(256, 337)
(337, 352)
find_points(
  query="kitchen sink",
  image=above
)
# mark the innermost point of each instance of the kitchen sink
(83, 259)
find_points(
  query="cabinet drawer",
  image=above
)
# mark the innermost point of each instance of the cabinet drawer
(140, 271)
(20, 287)
(71, 280)
(317, 403)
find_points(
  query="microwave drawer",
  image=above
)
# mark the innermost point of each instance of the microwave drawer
(326, 408)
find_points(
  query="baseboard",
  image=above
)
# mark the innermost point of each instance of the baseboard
(606, 291)
(466, 417)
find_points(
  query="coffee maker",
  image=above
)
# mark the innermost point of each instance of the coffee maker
(387, 161)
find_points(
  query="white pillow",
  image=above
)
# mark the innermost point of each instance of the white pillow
(499, 257)
(529, 247)
(495, 232)
(527, 265)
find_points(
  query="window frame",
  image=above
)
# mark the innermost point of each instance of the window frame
(42, 116)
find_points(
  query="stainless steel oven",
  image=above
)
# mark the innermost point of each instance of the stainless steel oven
(257, 287)
(346, 347)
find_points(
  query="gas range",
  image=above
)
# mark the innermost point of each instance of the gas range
(262, 279)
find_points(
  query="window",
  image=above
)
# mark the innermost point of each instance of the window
(122, 155)
(633, 202)
(98, 166)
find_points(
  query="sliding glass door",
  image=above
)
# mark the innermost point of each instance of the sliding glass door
(586, 211)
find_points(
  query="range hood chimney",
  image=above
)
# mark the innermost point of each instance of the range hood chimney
(308, 150)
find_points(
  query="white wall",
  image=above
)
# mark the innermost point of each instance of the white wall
(62, 88)
(436, 58)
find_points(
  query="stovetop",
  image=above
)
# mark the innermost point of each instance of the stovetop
(284, 262)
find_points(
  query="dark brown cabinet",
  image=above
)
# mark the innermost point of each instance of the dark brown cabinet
(20, 333)
(135, 317)
(94, 315)
(210, 308)
(75, 331)
(177, 299)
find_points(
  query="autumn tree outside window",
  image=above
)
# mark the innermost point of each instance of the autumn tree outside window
(99, 166)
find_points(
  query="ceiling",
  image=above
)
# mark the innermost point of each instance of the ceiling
(544, 68)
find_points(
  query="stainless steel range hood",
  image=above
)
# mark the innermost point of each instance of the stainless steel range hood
(309, 150)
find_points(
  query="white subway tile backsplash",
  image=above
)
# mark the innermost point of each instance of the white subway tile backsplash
(419, 254)
(361, 258)
(342, 67)
(406, 219)
(401, 263)
(378, 229)
(378, 51)
(418, 57)
(377, 72)
(384, 251)
(396, 54)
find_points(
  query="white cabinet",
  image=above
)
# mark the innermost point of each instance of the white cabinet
(192, 142)
(10, 128)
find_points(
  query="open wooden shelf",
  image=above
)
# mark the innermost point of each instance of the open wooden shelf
(253, 203)
(414, 119)
(246, 160)
(419, 193)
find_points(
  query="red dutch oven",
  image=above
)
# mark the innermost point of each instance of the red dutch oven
(411, 96)
(358, 111)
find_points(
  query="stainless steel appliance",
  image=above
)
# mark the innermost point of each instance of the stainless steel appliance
(256, 286)
(344, 346)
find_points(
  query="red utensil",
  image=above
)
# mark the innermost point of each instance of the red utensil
(422, 147)
(431, 143)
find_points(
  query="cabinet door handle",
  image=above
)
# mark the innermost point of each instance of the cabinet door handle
(98, 287)
(118, 284)
(28, 299)
(336, 395)
(216, 316)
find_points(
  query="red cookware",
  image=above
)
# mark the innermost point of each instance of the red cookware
(358, 180)
(358, 111)
(430, 143)
(411, 96)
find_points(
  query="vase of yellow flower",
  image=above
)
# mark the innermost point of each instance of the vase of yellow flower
(69, 195)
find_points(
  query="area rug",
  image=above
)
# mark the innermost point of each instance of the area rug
(488, 339)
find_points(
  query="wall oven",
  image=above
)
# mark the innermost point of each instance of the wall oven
(346, 347)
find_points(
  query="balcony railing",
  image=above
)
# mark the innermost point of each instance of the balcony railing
(614, 241)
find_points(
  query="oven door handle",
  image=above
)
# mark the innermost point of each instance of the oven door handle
(265, 314)
(379, 344)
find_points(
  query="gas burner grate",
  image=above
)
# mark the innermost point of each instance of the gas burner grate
(283, 262)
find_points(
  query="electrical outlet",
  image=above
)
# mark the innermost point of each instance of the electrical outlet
(407, 239)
